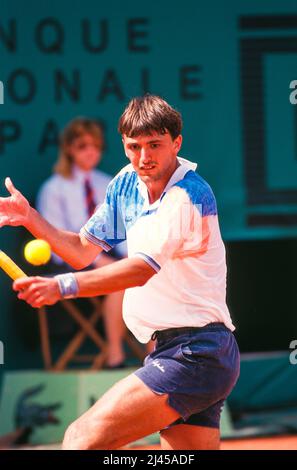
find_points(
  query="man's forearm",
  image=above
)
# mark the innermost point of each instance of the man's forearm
(121, 275)
(65, 244)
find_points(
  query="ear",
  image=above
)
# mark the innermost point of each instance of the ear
(123, 142)
(178, 143)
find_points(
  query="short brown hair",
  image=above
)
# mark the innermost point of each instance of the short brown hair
(148, 113)
(74, 129)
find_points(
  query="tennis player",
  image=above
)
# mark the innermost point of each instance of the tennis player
(175, 281)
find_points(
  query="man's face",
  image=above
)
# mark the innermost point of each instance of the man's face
(152, 156)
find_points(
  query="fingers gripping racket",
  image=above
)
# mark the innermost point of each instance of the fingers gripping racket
(10, 267)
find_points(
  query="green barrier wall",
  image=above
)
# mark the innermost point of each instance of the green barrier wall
(49, 402)
(226, 66)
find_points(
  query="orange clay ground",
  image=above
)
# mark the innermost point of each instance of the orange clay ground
(260, 443)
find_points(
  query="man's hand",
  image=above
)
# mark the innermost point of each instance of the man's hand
(14, 210)
(38, 291)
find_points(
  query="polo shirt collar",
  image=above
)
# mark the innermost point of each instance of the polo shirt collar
(182, 169)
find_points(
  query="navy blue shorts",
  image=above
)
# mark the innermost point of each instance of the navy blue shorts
(197, 368)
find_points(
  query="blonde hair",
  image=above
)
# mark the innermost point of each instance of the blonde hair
(76, 128)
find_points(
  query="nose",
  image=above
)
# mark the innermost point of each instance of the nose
(145, 156)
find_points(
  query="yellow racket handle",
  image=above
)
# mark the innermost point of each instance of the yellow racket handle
(10, 267)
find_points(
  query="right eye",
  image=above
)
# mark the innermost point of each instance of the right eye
(134, 147)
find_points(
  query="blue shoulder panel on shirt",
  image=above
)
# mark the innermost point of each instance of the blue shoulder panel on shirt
(128, 198)
(123, 183)
(199, 192)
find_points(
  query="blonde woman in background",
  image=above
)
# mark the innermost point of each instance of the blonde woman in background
(67, 200)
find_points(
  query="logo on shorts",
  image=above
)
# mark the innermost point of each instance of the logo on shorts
(156, 363)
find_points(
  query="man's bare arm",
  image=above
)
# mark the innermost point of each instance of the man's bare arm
(74, 249)
(123, 274)
(130, 272)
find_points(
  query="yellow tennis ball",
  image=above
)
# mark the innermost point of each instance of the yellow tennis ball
(37, 252)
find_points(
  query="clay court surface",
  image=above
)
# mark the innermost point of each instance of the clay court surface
(263, 443)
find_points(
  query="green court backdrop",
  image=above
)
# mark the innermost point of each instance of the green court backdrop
(226, 65)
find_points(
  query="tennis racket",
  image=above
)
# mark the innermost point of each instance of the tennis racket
(10, 267)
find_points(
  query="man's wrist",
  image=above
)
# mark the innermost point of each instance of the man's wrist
(29, 222)
(68, 285)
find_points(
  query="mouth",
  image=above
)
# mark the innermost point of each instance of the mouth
(147, 168)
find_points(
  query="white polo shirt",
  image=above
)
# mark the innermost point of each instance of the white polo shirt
(179, 236)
